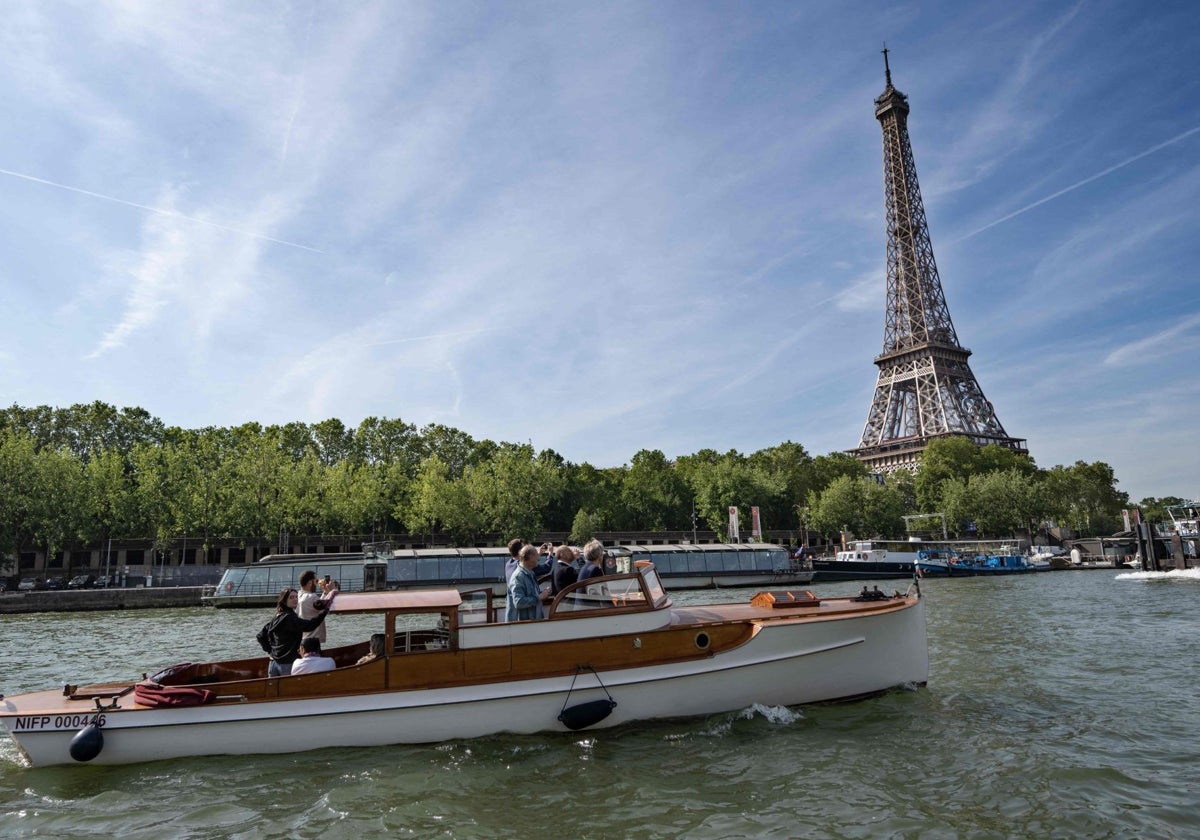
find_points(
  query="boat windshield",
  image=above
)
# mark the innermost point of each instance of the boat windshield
(602, 593)
(653, 585)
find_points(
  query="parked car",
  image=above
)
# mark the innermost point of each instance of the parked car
(55, 583)
(81, 582)
(29, 584)
(3, 584)
(103, 581)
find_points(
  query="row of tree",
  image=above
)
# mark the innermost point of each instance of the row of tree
(83, 474)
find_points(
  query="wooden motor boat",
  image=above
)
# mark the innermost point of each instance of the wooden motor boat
(612, 650)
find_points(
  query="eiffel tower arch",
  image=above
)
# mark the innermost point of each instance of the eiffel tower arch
(925, 389)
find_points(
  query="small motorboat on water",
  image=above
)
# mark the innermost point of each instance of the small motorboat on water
(949, 563)
(863, 561)
(611, 650)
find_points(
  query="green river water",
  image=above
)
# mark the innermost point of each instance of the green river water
(1062, 704)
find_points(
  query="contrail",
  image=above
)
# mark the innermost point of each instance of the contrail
(1085, 181)
(158, 210)
(287, 135)
(433, 335)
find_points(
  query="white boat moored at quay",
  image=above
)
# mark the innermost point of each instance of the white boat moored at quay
(611, 650)
(865, 561)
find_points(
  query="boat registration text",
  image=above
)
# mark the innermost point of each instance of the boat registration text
(53, 722)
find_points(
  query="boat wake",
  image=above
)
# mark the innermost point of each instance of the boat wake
(774, 714)
(1174, 574)
(722, 725)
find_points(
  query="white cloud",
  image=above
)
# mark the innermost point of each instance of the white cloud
(1181, 337)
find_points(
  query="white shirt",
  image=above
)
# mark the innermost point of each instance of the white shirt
(306, 610)
(312, 665)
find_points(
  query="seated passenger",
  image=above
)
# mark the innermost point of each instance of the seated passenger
(376, 650)
(311, 661)
(523, 601)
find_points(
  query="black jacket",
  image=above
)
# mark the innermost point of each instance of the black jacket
(564, 575)
(285, 632)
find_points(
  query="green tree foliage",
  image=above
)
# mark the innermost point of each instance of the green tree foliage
(58, 505)
(254, 481)
(583, 528)
(18, 489)
(729, 480)
(860, 506)
(380, 440)
(333, 441)
(653, 494)
(84, 429)
(1000, 503)
(1155, 510)
(1084, 497)
(511, 489)
(597, 491)
(109, 496)
(957, 457)
(827, 468)
(93, 471)
(454, 448)
(791, 470)
(440, 502)
(945, 459)
(354, 497)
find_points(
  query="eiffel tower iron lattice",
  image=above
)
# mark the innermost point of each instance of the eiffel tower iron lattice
(925, 389)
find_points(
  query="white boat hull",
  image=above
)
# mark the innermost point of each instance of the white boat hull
(787, 662)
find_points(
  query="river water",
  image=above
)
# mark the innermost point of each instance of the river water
(1061, 704)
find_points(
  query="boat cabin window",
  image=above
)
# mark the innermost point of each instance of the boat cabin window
(421, 632)
(478, 607)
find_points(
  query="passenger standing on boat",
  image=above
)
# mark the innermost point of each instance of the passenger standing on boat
(311, 660)
(514, 553)
(523, 602)
(565, 572)
(544, 566)
(285, 631)
(308, 597)
(593, 560)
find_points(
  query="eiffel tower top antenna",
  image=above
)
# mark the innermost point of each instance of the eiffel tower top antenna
(887, 71)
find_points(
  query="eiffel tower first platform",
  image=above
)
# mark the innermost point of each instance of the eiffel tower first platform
(925, 389)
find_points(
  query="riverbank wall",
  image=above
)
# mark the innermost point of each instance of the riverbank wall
(101, 600)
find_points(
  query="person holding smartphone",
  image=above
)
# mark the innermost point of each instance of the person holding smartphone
(310, 593)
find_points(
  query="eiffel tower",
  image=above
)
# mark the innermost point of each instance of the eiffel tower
(925, 389)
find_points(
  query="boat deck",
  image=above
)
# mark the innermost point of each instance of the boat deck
(826, 609)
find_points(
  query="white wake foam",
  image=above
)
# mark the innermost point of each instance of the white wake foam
(774, 714)
(1173, 574)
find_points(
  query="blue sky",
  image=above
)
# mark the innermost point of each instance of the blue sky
(601, 227)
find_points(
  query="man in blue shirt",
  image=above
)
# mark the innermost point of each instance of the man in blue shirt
(524, 602)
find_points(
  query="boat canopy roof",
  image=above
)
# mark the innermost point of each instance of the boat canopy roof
(405, 600)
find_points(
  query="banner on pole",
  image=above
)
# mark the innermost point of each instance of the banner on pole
(733, 525)
(755, 525)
